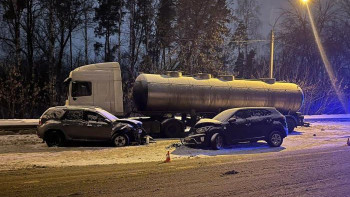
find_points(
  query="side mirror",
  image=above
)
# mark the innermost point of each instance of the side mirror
(232, 120)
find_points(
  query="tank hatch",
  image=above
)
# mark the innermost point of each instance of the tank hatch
(204, 76)
(226, 77)
(174, 74)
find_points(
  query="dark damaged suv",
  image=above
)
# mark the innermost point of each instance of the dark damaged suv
(65, 123)
(240, 125)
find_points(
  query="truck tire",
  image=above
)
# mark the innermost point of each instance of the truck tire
(172, 128)
(54, 138)
(290, 125)
(217, 142)
(275, 139)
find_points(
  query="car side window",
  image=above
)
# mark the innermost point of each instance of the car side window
(266, 112)
(81, 88)
(53, 114)
(258, 113)
(73, 115)
(93, 117)
(242, 114)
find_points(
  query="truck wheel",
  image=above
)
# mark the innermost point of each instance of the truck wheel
(172, 129)
(54, 138)
(290, 125)
(121, 140)
(275, 139)
(217, 142)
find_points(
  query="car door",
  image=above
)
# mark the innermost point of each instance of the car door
(73, 124)
(237, 129)
(257, 123)
(98, 127)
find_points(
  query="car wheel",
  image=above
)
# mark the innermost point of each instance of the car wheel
(290, 125)
(54, 138)
(275, 139)
(120, 140)
(217, 142)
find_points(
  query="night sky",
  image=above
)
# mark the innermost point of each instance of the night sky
(269, 12)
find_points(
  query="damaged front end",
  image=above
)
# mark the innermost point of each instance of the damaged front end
(195, 139)
(133, 129)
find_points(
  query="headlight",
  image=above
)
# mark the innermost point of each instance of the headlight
(202, 129)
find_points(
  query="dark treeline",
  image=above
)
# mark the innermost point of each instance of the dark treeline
(41, 41)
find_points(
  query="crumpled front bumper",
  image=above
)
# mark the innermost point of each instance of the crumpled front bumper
(197, 139)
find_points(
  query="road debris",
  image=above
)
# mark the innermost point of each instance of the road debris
(232, 172)
(174, 145)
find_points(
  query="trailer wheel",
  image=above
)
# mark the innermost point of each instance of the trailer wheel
(290, 125)
(172, 128)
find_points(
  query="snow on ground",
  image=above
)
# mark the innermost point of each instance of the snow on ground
(28, 151)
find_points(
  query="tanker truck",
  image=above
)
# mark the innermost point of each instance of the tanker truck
(167, 104)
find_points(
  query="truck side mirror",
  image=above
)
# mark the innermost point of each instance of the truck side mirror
(74, 84)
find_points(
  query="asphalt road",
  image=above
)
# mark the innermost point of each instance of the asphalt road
(313, 172)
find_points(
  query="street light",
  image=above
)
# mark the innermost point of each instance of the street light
(305, 1)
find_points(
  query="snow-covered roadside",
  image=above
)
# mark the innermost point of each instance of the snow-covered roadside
(27, 151)
(329, 117)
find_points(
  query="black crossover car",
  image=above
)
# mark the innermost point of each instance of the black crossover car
(63, 123)
(240, 125)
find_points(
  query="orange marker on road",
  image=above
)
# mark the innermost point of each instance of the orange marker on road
(167, 158)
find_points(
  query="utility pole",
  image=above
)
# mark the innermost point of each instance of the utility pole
(272, 53)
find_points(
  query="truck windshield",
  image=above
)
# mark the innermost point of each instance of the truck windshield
(225, 115)
(107, 115)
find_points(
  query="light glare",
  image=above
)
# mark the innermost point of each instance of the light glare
(326, 62)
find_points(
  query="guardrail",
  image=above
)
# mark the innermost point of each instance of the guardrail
(18, 124)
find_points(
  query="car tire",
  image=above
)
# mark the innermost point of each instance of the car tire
(121, 140)
(290, 125)
(217, 141)
(54, 138)
(275, 139)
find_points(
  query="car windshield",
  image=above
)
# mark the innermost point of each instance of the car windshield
(107, 115)
(225, 115)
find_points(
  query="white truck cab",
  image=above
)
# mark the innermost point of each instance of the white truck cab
(97, 85)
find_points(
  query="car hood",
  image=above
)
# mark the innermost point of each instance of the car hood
(208, 121)
(128, 121)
